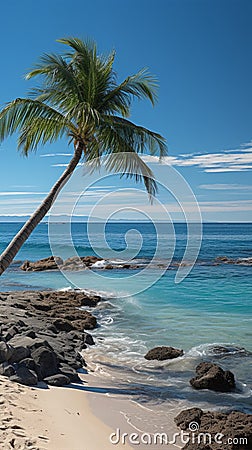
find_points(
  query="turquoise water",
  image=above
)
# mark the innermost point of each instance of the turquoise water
(211, 306)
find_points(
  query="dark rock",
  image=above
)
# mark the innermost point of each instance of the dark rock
(187, 416)
(211, 376)
(21, 340)
(25, 376)
(20, 323)
(80, 359)
(221, 350)
(43, 264)
(234, 427)
(5, 352)
(73, 362)
(244, 261)
(74, 263)
(47, 360)
(41, 306)
(88, 322)
(89, 300)
(19, 353)
(31, 334)
(36, 343)
(75, 335)
(79, 263)
(70, 373)
(52, 328)
(57, 380)
(76, 320)
(90, 260)
(47, 340)
(63, 325)
(162, 353)
(29, 363)
(226, 260)
(18, 304)
(88, 339)
(223, 259)
(12, 331)
(31, 344)
(81, 347)
(6, 369)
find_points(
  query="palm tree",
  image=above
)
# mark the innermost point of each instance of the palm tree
(78, 98)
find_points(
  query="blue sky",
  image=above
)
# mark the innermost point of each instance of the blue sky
(200, 50)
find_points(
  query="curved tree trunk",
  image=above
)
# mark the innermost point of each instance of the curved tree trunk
(10, 252)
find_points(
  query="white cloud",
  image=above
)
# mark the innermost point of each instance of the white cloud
(23, 186)
(6, 193)
(221, 206)
(50, 155)
(235, 160)
(103, 187)
(226, 187)
(64, 165)
(235, 168)
(247, 145)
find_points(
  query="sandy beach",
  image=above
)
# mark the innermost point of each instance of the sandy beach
(126, 225)
(53, 419)
(63, 393)
(90, 412)
(64, 419)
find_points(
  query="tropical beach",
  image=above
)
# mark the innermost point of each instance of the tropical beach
(126, 230)
(141, 396)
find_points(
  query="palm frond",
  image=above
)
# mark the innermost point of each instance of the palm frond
(95, 72)
(141, 138)
(39, 131)
(118, 135)
(78, 96)
(141, 85)
(35, 119)
(60, 84)
(131, 165)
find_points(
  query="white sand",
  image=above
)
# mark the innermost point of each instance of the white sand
(49, 419)
(70, 418)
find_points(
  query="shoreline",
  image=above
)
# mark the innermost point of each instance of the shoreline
(74, 417)
(49, 419)
(65, 416)
(61, 412)
(88, 411)
(129, 419)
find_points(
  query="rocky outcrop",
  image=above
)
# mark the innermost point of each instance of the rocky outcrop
(5, 352)
(51, 263)
(55, 262)
(211, 376)
(57, 380)
(42, 335)
(79, 263)
(216, 430)
(76, 263)
(23, 375)
(162, 353)
(226, 260)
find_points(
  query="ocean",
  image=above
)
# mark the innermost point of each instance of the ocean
(209, 309)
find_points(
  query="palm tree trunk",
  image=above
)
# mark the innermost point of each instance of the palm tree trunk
(10, 252)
